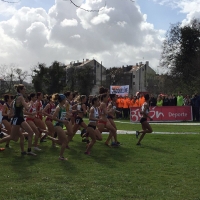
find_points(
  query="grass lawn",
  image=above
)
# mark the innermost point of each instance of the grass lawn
(156, 127)
(164, 167)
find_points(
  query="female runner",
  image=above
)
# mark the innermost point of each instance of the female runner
(91, 130)
(39, 116)
(111, 113)
(60, 116)
(49, 111)
(146, 128)
(18, 121)
(81, 111)
(31, 113)
(104, 122)
(5, 113)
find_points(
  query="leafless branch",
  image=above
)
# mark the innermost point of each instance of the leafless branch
(95, 10)
(10, 1)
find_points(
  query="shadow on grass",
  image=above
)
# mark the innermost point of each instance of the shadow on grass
(158, 149)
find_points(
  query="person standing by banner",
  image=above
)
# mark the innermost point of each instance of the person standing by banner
(121, 104)
(180, 101)
(141, 100)
(126, 106)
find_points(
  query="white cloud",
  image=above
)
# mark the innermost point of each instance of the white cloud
(122, 24)
(117, 35)
(103, 18)
(69, 22)
(189, 7)
(75, 36)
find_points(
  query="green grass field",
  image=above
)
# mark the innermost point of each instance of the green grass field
(164, 167)
(157, 127)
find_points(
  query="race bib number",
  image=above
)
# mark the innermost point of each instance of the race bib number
(52, 111)
(63, 116)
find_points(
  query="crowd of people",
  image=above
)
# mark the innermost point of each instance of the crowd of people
(124, 103)
(58, 117)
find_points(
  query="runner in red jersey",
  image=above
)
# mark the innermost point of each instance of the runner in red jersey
(31, 113)
(49, 111)
(38, 118)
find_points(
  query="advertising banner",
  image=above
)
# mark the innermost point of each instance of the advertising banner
(119, 90)
(164, 113)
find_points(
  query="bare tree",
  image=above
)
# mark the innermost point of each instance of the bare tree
(7, 74)
(21, 75)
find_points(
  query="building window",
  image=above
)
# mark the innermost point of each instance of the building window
(133, 83)
(133, 75)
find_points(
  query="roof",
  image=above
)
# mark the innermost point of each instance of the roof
(135, 68)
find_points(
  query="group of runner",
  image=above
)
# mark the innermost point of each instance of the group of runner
(24, 119)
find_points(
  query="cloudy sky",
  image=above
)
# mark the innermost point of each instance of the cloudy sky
(122, 33)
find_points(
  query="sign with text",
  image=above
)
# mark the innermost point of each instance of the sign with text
(119, 90)
(164, 113)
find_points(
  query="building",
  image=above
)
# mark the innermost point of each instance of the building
(137, 77)
(142, 74)
(99, 76)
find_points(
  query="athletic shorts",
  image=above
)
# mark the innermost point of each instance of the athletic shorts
(6, 118)
(110, 117)
(59, 124)
(78, 120)
(143, 120)
(17, 120)
(48, 119)
(94, 127)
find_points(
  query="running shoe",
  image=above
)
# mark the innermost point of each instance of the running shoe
(30, 153)
(62, 158)
(37, 149)
(2, 135)
(67, 147)
(86, 140)
(42, 141)
(137, 134)
(23, 153)
(114, 144)
(87, 153)
(2, 149)
(8, 146)
(107, 144)
(138, 144)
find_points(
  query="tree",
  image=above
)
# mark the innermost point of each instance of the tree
(84, 79)
(181, 51)
(56, 77)
(39, 77)
(21, 76)
(51, 79)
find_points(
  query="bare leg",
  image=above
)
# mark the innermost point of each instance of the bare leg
(146, 129)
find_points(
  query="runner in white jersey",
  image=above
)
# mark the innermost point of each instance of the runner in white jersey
(92, 130)
(146, 128)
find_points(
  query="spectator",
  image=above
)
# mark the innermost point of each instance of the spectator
(171, 101)
(126, 106)
(197, 103)
(193, 100)
(121, 104)
(152, 101)
(180, 99)
(141, 100)
(159, 101)
(165, 101)
(187, 101)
